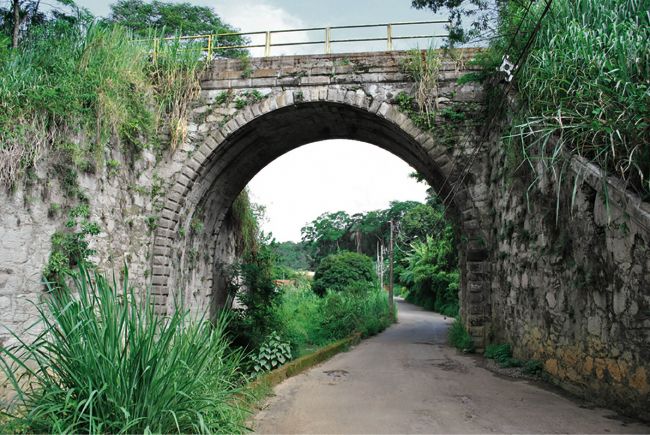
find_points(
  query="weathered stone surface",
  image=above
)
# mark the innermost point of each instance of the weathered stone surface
(572, 293)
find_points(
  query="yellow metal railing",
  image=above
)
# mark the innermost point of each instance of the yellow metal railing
(212, 46)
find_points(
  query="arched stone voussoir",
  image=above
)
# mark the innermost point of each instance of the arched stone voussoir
(243, 142)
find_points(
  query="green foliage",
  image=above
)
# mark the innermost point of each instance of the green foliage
(70, 247)
(424, 68)
(32, 16)
(502, 353)
(309, 321)
(325, 233)
(431, 275)
(247, 98)
(585, 82)
(272, 354)
(107, 363)
(113, 167)
(170, 19)
(333, 232)
(459, 337)
(469, 18)
(337, 272)
(533, 367)
(246, 216)
(291, 255)
(64, 79)
(152, 223)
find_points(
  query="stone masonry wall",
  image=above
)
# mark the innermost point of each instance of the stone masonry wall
(574, 292)
(120, 201)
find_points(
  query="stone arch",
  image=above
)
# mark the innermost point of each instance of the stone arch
(229, 155)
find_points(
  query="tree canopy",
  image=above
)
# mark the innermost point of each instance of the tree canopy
(469, 18)
(167, 18)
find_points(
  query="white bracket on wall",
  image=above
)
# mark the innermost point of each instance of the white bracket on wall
(507, 68)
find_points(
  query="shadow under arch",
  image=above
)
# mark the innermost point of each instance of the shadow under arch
(231, 155)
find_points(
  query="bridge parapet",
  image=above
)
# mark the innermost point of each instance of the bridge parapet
(320, 70)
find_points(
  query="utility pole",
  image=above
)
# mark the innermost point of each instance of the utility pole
(391, 303)
(380, 263)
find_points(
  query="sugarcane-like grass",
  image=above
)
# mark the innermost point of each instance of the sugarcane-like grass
(105, 362)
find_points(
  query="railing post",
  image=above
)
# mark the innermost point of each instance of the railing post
(209, 47)
(389, 36)
(328, 38)
(267, 45)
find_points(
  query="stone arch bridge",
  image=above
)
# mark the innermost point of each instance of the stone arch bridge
(249, 114)
(560, 270)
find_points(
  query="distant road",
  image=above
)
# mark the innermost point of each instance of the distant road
(407, 380)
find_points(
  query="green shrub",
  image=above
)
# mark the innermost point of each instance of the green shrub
(431, 275)
(107, 363)
(272, 354)
(502, 353)
(459, 337)
(308, 321)
(533, 367)
(338, 271)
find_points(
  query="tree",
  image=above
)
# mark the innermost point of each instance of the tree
(338, 272)
(292, 255)
(21, 15)
(170, 19)
(482, 15)
(325, 234)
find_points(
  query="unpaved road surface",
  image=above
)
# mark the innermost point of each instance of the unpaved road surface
(407, 380)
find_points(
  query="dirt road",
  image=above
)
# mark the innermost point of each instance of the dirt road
(406, 380)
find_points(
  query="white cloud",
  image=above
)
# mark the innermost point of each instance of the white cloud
(253, 16)
(330, 176)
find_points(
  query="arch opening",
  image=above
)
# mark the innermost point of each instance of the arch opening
(232, 155)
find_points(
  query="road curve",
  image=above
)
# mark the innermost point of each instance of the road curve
(407, 380)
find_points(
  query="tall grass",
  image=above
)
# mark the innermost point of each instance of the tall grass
(106, 363)
(586, 81)
(307, 320)
(85, 86)
(459, 337)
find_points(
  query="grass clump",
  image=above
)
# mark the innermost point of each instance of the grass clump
(71, 91)
(105, 362)
(308, 321)
(502, 354)
(585, 82)
(459, 337)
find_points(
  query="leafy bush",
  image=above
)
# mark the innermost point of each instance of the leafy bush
(308, 320)
(431, 276)
(502, 353)
(338, 271)
(105, 362)
(70, 248)
(533, 367)
(459, 337)
(272, 354)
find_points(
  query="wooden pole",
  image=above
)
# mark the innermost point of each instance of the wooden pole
(390, 270)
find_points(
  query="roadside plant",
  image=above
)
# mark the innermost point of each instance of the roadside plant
(273, 353)
(338, 272)
(459, 337)
(103, 361)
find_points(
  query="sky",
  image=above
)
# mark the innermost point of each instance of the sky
(313, 179)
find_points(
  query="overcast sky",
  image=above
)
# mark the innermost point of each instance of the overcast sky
(332, 175)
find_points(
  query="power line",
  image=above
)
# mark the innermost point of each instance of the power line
(455, 158)
(522, 57)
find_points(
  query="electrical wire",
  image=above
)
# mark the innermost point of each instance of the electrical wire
(522, 57)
